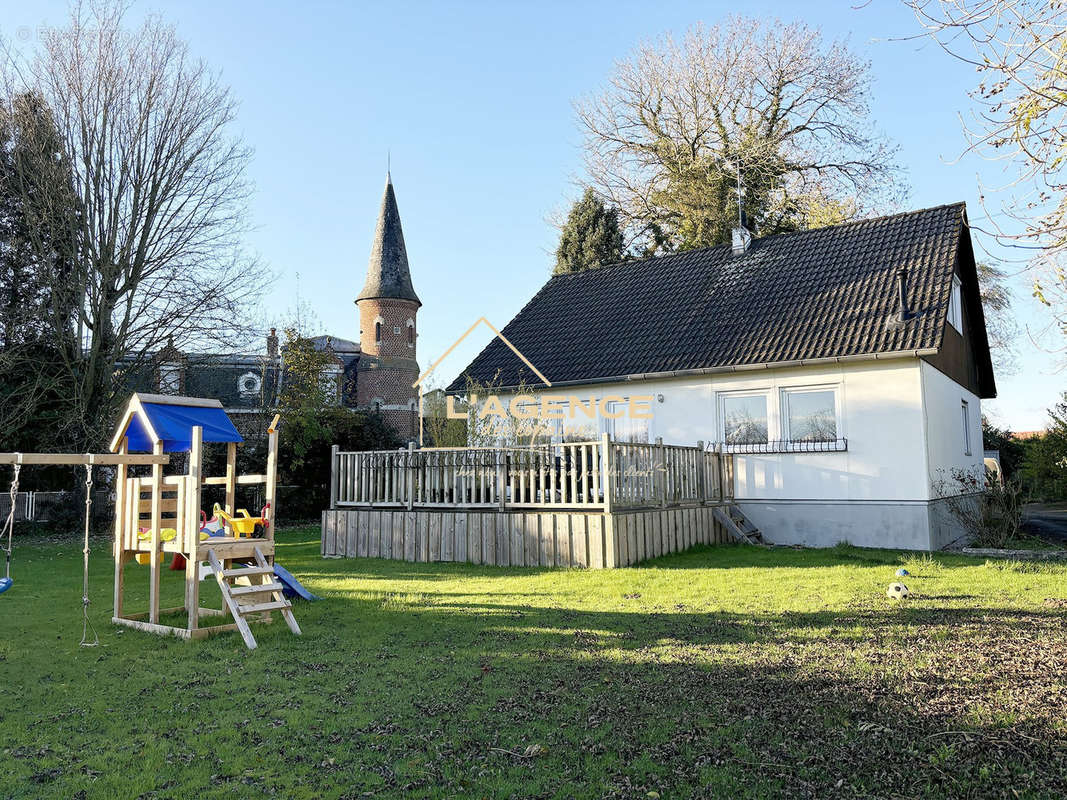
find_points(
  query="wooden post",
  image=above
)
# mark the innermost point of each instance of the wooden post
(607, 461)
(720, 465)
(192, 520)
(701, 494)
(121, 520)
(270, 491)
(334, 475)
(410, 472)
(154, 539)
(501, 478)
(659, 472)
(231, 478)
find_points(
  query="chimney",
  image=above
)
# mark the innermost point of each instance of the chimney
(272, 343)
(742, 240)
(902, 289)
(903, 313)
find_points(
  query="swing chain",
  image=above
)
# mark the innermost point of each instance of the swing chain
(87, 624)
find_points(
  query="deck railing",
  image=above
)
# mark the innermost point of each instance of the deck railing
(599, 474)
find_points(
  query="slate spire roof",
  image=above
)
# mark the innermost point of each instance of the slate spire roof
(791, 298)
(388, 274)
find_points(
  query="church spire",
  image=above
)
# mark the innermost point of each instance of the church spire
(388, 275)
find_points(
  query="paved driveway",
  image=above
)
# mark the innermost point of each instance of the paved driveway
(1047, 520)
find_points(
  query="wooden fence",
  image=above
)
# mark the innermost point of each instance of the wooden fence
(597, 476)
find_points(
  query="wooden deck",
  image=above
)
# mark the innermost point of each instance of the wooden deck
(517, 538)
(597, 504)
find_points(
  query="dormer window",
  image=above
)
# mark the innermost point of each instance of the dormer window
(170, 378)
(955, 305)
(248, 385)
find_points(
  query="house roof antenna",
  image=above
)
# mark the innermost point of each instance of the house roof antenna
(736, 164)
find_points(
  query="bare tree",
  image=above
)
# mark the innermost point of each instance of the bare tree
(1001, 327)
(161, 190)
(1019, 49)
(770, 105)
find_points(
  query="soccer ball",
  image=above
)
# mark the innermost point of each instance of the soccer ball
(896, 591)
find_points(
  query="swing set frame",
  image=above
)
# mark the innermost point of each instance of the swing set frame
(174, 501)
(159, 501)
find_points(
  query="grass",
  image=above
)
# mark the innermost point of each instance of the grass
(729, 671)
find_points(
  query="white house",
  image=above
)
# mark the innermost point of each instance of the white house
(844, 366)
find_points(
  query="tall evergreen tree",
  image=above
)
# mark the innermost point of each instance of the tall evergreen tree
(38, 213)
(591, 237)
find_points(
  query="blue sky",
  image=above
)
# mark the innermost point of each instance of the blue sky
(473, 100)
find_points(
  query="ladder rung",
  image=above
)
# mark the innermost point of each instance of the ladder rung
(243, 571)
(256, 588)
(274, 605)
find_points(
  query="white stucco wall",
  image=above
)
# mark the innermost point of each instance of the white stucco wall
(946, 446)
(902, 419)
(943, 399)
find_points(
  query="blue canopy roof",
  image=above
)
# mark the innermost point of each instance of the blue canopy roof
(174, 425)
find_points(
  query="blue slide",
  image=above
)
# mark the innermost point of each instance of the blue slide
(293, 587)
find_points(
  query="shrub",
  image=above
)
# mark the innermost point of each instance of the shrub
(989, 511)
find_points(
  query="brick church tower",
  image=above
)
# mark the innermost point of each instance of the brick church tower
(388, 307)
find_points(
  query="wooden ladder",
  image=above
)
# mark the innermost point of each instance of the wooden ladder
(739, 526)
(244, 601)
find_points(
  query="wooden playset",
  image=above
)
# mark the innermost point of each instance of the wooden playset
(160, 515)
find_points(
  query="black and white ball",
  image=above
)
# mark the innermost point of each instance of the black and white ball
(897, 591)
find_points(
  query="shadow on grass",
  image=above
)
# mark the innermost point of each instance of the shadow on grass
(442, 694)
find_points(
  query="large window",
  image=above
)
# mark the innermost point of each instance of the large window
(170, 378)
(809, 415)
(625, 428)
(955, 306)
(744, 419)
(330, 385)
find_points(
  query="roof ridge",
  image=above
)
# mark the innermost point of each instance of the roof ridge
(755, 240)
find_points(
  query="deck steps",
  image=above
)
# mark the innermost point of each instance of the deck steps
(233, 594)
(739, 526)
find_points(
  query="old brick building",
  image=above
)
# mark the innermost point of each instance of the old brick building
(388, 307)
(375, 373)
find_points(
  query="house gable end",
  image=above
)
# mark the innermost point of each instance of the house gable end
(964, 355)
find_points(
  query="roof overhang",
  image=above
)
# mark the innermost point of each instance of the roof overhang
(731, 368)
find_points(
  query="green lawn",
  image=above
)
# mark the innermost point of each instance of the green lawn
(723, 672)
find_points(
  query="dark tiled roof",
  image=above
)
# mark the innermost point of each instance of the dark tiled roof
(799, 296)
(388, 274)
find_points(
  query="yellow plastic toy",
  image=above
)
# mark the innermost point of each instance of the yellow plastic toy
(243, 524)
(145, 535)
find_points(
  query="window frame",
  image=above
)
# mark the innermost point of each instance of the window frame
(722, 397)
(609, 422)
(170, 378)
(783, 414)
(955, 305)
(965, 409)
(378, 332)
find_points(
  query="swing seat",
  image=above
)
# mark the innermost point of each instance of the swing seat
(5, 584)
